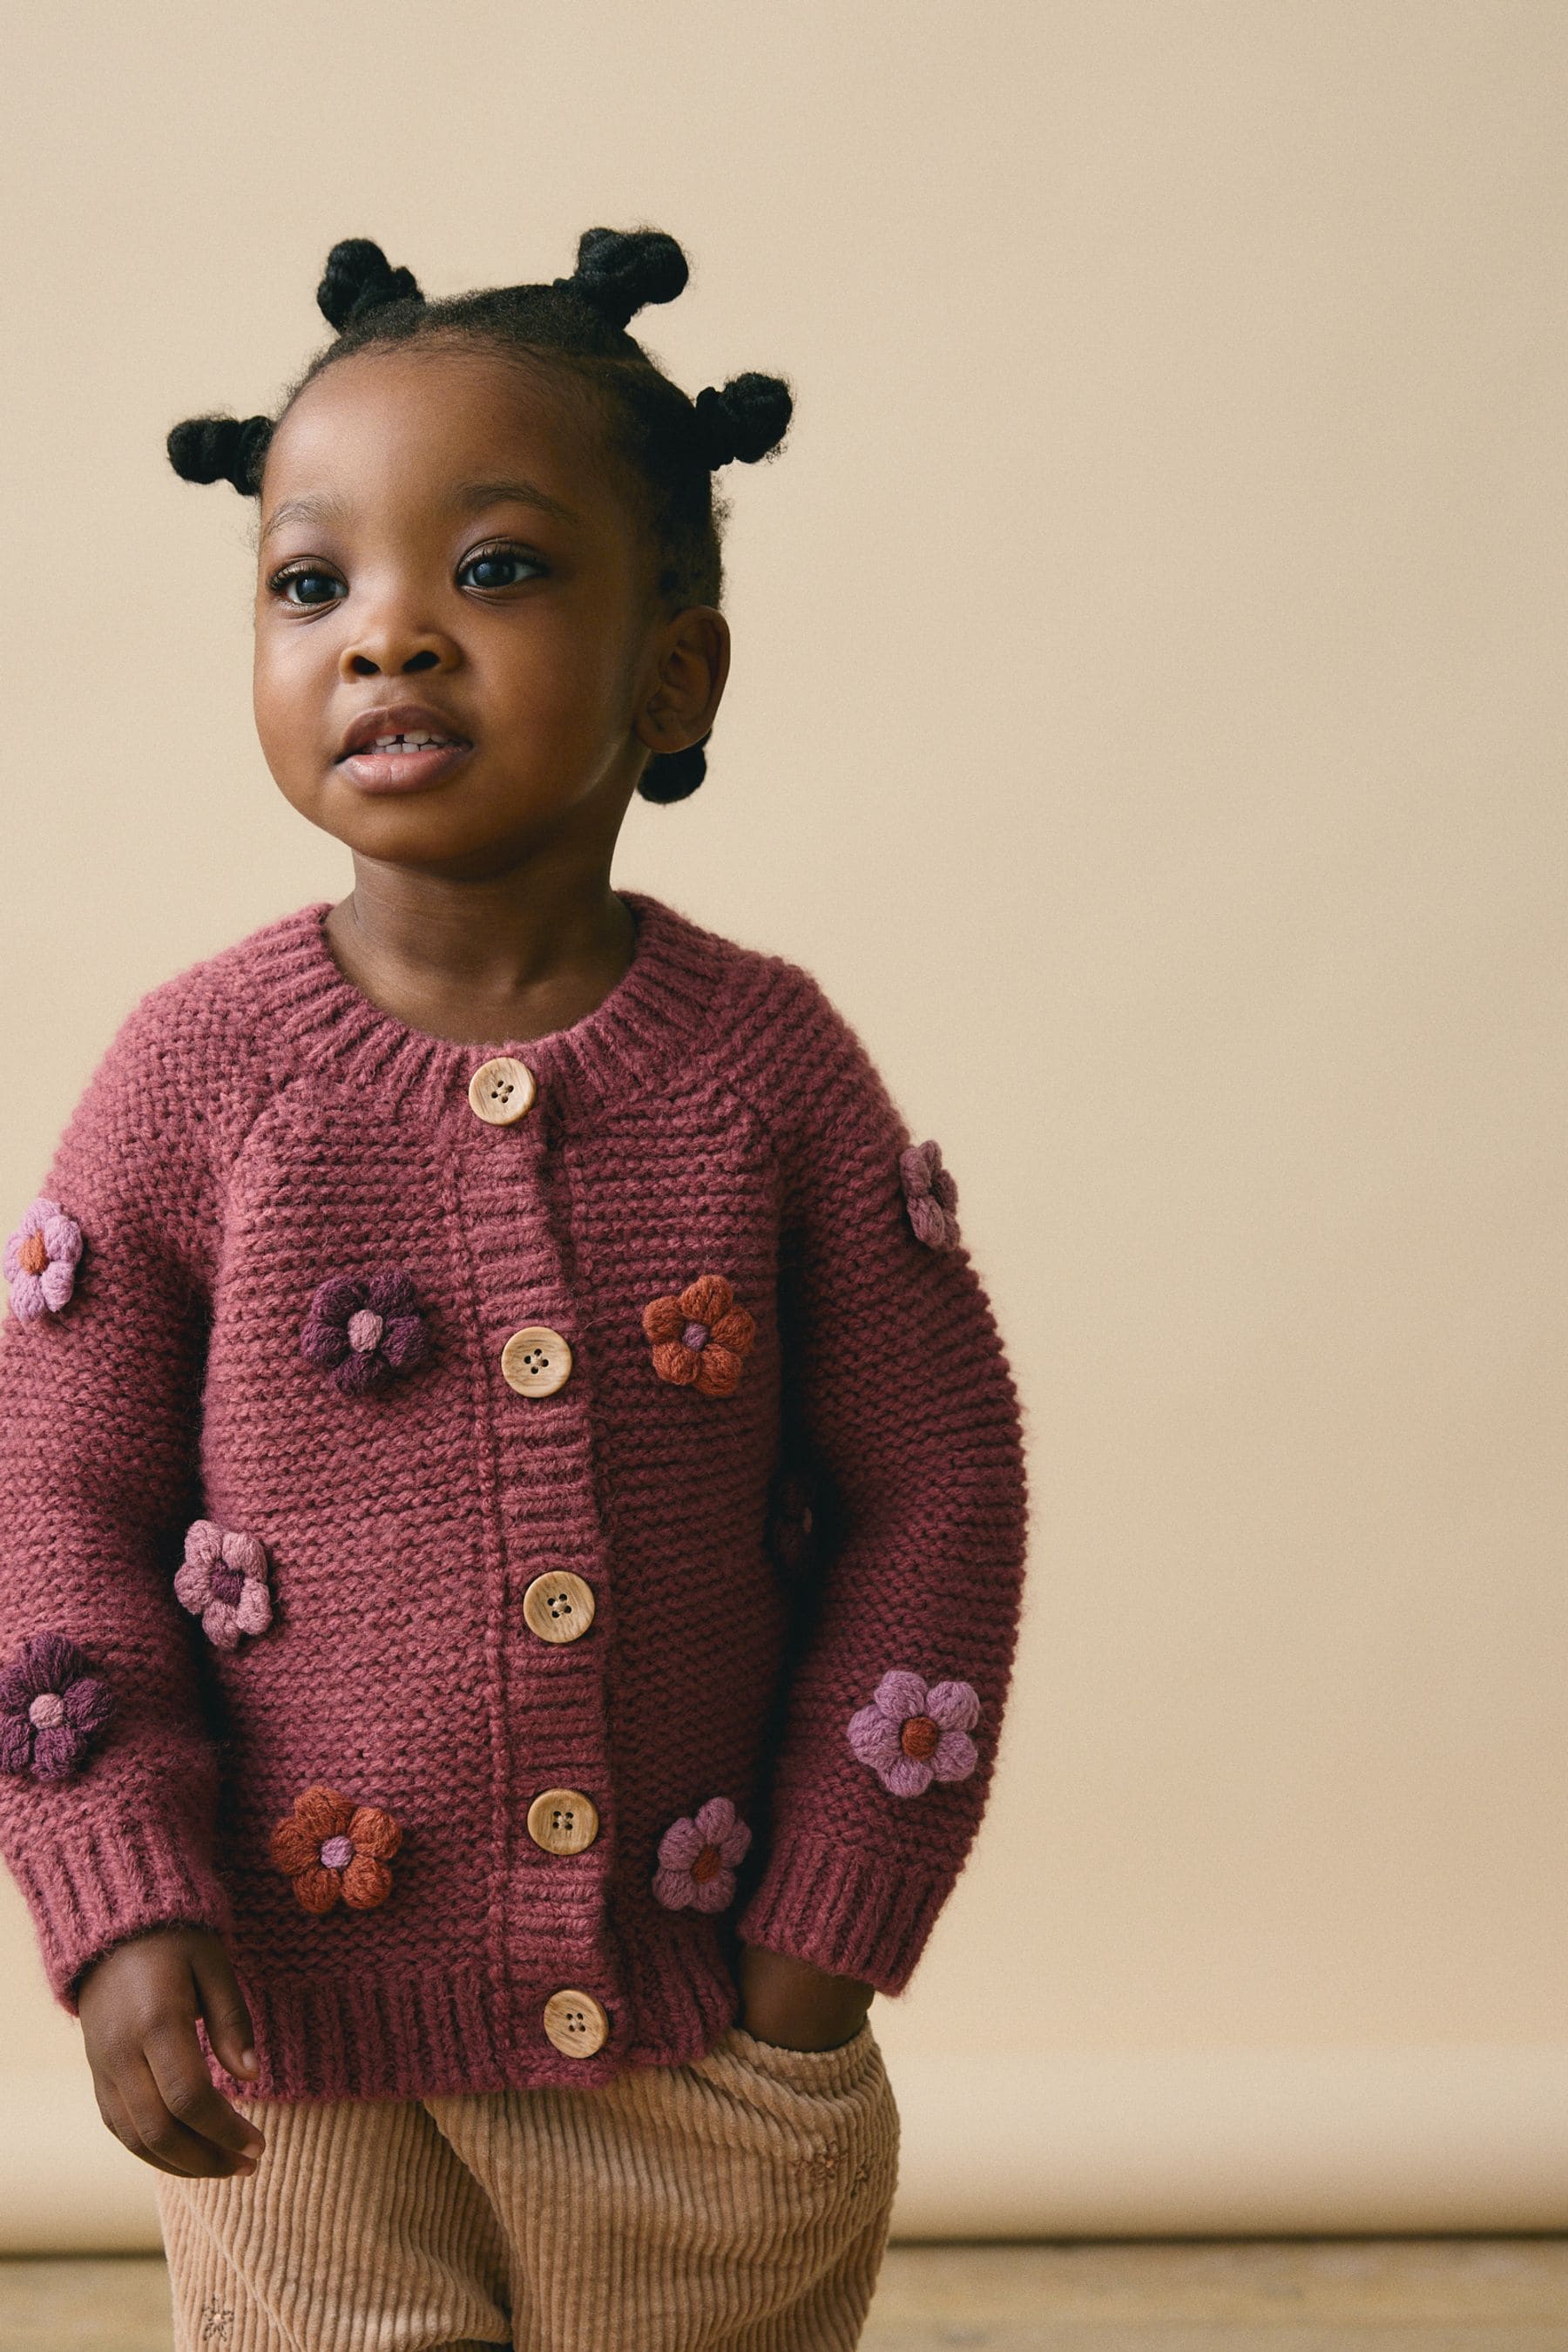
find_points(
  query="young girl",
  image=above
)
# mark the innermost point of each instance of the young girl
(513, 1492)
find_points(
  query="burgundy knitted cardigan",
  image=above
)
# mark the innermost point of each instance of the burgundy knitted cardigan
(270, 1508)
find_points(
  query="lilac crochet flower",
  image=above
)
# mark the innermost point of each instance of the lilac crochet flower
(911, 1735)
(697, 1856)
(363, 1332)
(41, 1260)
(223, 1581)
(931, 1195)
(51, 1704)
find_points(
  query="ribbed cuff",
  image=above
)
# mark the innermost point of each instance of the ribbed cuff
(111, 1880)
(844, 1912)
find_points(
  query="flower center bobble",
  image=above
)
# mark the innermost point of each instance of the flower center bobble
(706, 1863)
(918, 1737)
(47, 1709)
(365, 1330)
(34, 1255)
(338, 1853)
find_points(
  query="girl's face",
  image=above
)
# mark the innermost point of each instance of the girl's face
(440, 531)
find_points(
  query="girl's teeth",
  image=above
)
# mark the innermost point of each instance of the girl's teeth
(411, 742)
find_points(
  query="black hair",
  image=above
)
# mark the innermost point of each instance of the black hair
(670, 445)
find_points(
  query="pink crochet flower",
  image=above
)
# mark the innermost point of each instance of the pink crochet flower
(697, 1855)
(910, 1735)
(931, 1195)
(363, 1332)
(223, 1581)
(41, 1260)
(51, 1705)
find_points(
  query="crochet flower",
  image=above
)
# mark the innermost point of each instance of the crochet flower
(700, 1335)
(222, 1582)
(363, 1332)
(41, 1260)
(329, 1847)
(910, 1735)
(51, 1706)
(697, 1855)
(931, 1195)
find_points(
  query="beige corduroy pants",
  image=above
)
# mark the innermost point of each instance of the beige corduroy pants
(737, 2203)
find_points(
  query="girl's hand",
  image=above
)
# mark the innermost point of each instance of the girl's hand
(138, 2007)
(798, 2006)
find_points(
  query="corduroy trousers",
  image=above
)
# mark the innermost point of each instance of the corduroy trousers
(737, 2203)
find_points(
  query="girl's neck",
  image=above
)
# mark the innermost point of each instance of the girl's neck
(514, 955)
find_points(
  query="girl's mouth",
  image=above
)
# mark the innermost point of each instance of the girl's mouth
(403, 764)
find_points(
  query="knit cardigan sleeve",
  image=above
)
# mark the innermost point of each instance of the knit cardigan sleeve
(109, 1784)
(904, 1400)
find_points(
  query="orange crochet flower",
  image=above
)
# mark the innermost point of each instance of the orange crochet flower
(700, 1337)
(331, 1846)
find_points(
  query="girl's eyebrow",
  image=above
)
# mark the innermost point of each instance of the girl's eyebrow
(321, 509)
(467, 495)
(472, 495)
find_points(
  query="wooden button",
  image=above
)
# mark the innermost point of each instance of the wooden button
(558, 1606)
(536, 1360)
(501, 1090)
(563, 1821)
(575, 2024)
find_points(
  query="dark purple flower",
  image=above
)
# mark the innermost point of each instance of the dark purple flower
(51, 1705)
(363, 1332)
(911, 1734)
(931, 1195)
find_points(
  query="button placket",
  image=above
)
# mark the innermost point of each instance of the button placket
(561, 1717)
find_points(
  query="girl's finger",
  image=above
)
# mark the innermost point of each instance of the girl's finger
(164, 2104)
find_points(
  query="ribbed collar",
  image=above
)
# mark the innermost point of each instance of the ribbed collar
(649, 1020)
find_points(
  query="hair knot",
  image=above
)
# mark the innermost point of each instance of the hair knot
(745, 420)
(220, 449)
(358, 279)
(619, 270)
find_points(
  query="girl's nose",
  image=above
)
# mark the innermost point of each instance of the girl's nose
(386, 647)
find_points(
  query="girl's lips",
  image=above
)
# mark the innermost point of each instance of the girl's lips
(402, 772)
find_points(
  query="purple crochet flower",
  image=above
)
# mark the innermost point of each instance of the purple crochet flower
(931, 1195)
(363, 1332)
(911, 1735)
(51, 1704)
(41, 1259)
(697, 1856)
(223, 1581)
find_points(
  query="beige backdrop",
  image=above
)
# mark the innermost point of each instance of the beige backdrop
(1147, 721)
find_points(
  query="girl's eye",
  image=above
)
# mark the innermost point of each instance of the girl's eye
(496, 562)
(305, 579)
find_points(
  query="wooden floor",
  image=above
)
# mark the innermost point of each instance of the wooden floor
(1352, 2294)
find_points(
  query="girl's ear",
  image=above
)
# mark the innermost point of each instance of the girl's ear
(691, 665)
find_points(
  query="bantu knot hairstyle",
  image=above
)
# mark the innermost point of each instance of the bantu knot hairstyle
(669, 447)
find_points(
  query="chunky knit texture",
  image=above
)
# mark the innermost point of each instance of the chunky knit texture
(841, 1500)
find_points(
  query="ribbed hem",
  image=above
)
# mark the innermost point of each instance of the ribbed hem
(843, 1911)
(113, 1879)
(443, 2031)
